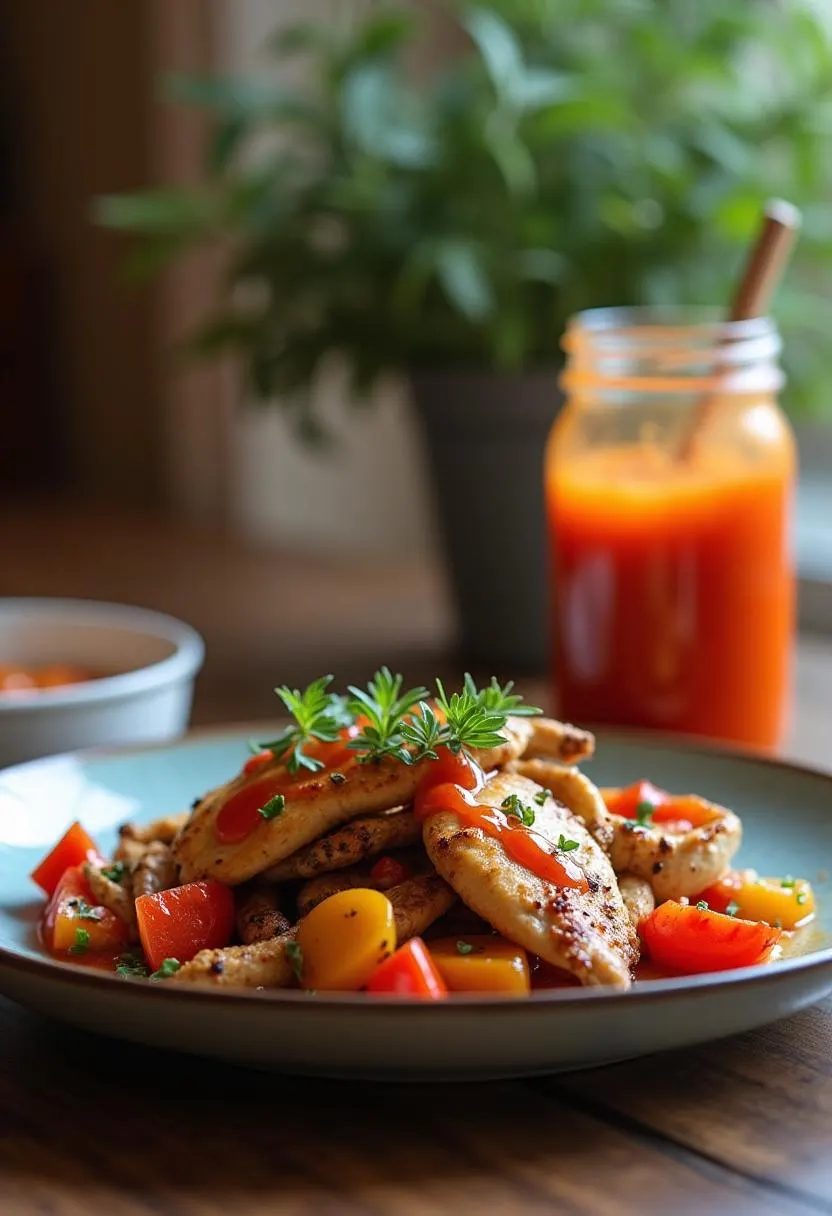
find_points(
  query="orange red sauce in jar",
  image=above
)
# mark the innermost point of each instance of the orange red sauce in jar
(674, 590)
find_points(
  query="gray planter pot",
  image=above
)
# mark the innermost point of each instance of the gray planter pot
(485, 435)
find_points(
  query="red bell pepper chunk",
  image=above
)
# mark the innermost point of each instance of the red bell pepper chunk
(687, 940)
(184, 920)
(389, 872)
(409, 972)
(74, 848)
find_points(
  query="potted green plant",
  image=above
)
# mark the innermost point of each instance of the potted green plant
(575, 153)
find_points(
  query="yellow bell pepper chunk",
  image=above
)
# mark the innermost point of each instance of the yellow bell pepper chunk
(344, 939)
(481, 963)
(784, 902)
(787, 903)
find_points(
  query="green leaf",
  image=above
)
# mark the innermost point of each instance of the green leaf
(384, 119)
(464, 279)
(499, 48)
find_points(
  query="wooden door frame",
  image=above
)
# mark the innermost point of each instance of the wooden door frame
(197, 402)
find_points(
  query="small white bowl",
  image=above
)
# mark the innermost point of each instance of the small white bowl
(154, 660)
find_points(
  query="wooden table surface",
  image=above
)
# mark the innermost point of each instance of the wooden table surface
(97, 1126)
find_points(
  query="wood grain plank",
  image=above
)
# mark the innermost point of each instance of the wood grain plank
(89, 1126)
(759, 1104)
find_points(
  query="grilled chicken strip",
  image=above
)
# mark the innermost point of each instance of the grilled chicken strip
(416, 904)
(258, 914)
(362, 838)
(111, 895)
(638, 897)
(318, 889)
(160, 829)
(560, 741)
(260, 965)
(587, 933)
(367, 788)
(155, 870)
(575, 790)
(676, 863)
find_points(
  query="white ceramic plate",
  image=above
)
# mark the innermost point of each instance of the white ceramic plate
(787, 813)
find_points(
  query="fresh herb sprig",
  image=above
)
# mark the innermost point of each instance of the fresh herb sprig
(385, 708)
(319, 715)
(467, 721)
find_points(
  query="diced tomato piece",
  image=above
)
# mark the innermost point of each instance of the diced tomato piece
(647, 803)
(184, 920)
(74, 847)
(633, 798)
(410, 971)
(389, 872)
(74, 924)
(688, 940)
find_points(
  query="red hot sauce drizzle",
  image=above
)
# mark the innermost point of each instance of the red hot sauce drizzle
(451, 783)
(448, 784)
(241, 814)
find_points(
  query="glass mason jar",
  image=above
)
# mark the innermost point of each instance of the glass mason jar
(669, 482)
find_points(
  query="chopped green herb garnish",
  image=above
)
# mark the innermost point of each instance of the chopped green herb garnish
(115, 871)
(732, 909)
(644, 812)
(274, 807)
(131, 967)
(319, 715)
(801, 898)
(85, 911)
(82, 942)
(512, 805)
(778, 924)
(169, 967)
(566, 846)
(788, 882)
(337, 778)
(541, 796)
(464, 948)
(294, 953)
(703, 905)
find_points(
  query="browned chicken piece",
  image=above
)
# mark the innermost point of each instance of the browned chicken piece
(367, 789)
(676, 863)
(574, 789)
(258, 913)
(111, 895)
(318, 889)
(553, 740)
(155, 870)
(587, 933)
(638, 897)
(362, 838)
(416, 904)
(164, 829)
(260, 965)
(129, 850)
